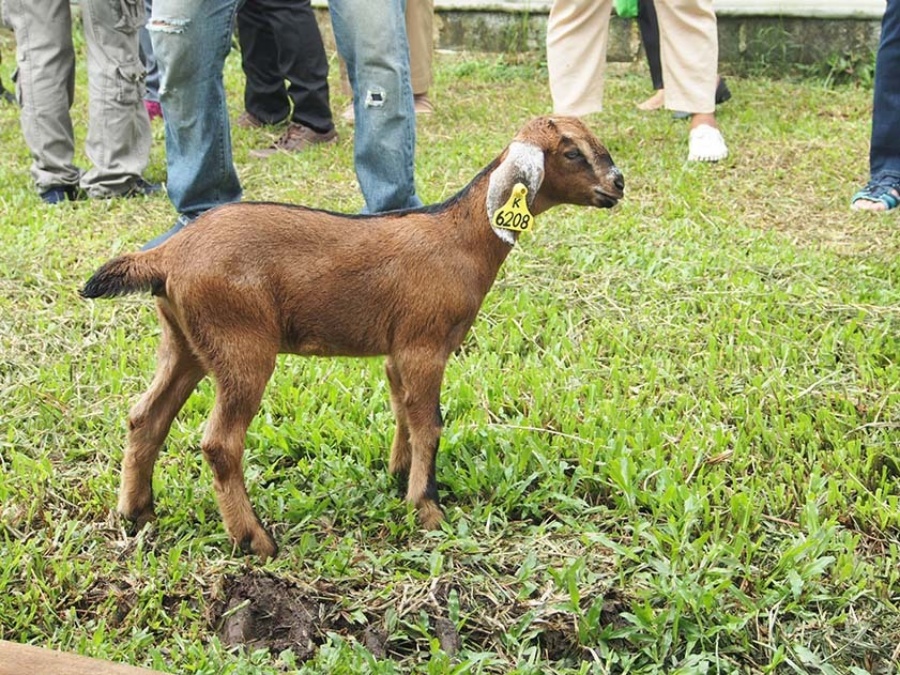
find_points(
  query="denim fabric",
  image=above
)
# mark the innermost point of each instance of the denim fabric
(884, 152)
(190, 41)
(371, 38)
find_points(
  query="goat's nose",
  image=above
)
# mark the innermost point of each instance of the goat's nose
(618, 178)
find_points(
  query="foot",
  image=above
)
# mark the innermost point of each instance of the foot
(429, 514)
(142, 188)
(175, 229)
(56, 194)
(422, 104)
(348, 115)
(297, 138)
(881, 194)
(247, 120)
(706, 143)
(655, 102)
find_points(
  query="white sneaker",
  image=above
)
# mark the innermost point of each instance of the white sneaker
(706, 144)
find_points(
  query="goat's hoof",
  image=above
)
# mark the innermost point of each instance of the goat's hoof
(260, 544)
(134, 520)
(430, 515)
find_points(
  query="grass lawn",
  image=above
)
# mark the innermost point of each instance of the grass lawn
(672, 439)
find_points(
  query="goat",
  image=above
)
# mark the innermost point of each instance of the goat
(247, 281)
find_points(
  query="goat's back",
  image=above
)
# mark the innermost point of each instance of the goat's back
(324, 283)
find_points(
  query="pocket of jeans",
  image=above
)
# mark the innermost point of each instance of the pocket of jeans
(131, 16)
(131, 87)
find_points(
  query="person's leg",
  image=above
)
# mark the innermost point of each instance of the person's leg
(649, 29)
(303, 62)
(148, 58)
(151, 82)
(689, 47)
(46, 87)
(420, 33)
(371, 38)
(883, 191)
(118, 137)
(264, 93)
(577, 38)
(191, 41)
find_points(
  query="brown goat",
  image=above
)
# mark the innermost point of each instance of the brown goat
(247, 281)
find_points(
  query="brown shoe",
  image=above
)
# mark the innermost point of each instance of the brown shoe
(248, 120)
(296, 138)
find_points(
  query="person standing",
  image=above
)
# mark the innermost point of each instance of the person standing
(191, 41)
(882, 193)
(280, 41)
(577, 38)
(118, 136)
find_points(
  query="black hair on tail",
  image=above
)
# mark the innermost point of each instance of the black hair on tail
(130, 273)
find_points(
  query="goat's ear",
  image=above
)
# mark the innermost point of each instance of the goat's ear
(524, 163)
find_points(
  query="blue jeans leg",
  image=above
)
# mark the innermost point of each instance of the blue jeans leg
(371, 38)
(884, 153)
(191, 40)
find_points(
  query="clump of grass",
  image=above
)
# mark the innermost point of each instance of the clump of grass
(671, 438)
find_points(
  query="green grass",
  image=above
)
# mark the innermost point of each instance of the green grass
(672, 437)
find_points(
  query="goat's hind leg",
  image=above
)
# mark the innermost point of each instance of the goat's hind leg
(241, 377)
(401, 451)
(177, 373)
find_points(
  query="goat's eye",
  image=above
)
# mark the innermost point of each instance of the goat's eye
(573, 154)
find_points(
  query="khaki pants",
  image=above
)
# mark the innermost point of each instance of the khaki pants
(420, 33)
(118, 134)
(578, 35)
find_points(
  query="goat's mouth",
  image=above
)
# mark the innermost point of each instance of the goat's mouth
(606, 200)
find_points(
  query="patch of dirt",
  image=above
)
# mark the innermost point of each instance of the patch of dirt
(261, 611)
(265, 612)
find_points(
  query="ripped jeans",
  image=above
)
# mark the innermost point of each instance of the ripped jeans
(191, 39)
(118, 136)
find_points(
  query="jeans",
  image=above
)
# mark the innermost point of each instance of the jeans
(371, 37)
(884, 151)
(191, 39)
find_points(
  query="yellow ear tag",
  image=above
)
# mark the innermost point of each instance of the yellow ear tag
(514, 214)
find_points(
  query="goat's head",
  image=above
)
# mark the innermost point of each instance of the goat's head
(560, 161)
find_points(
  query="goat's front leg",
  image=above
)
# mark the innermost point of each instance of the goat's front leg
(177, 373)
(237, 401)
(421, 376)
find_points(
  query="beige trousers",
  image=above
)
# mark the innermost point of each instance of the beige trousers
(577, 39)
(420, 33)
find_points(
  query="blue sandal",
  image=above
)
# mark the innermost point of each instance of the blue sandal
(884, 190)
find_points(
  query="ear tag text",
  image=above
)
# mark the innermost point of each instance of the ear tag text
(514, 214)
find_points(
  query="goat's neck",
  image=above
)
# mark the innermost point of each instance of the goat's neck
(475, 232)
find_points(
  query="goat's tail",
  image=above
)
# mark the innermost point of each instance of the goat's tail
(129, 273)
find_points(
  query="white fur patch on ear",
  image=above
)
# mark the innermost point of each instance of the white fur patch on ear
(524, 163)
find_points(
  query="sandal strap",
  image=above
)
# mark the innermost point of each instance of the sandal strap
(884, 190)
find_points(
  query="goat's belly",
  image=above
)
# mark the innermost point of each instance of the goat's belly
(318, 347)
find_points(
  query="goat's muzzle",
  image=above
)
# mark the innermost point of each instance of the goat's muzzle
(611, 190)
